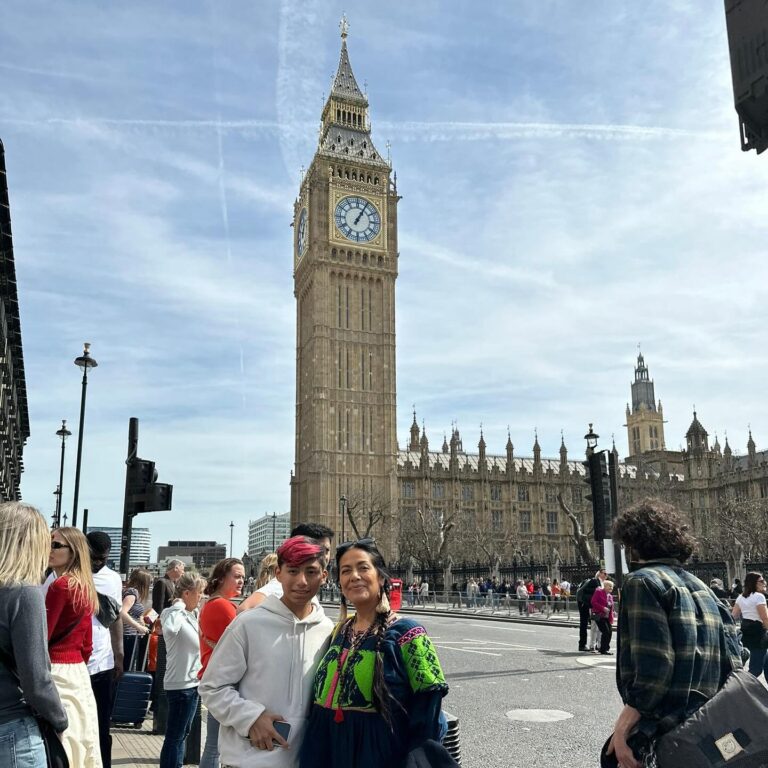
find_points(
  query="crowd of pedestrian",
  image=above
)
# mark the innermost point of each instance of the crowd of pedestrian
(284, 686)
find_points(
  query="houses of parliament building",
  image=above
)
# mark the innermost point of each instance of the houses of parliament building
(345, 266)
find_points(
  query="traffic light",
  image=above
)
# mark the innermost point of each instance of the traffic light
(747, 24)
(600, 494)
(144, 493)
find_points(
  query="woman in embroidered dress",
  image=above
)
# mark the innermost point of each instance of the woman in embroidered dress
(378, 690)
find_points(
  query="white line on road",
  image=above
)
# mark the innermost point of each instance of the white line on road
(467, 650)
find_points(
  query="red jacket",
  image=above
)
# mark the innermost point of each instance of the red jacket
(63, 611)
(600, 601)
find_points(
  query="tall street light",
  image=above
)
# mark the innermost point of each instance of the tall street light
(85, 361)
(63, 433)
(343, 506)
(274, 523)
(231, 532)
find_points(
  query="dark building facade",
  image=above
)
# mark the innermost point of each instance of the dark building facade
(204, 554)
(14, 414)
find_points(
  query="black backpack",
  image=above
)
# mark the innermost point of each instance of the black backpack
(584, 592)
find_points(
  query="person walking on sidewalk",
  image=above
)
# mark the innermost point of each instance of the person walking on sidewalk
(584, 601)
(182, 641)
(226, 583)
(26, 684)
(262, 669)
(70, 602)
(602, 610)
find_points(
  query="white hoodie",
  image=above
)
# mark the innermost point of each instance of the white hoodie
(265, 660)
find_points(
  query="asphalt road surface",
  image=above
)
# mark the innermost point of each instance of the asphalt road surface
(524, 696)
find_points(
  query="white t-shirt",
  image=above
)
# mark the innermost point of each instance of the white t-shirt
(102, 659)
(272, 587)
(748, 605)
(425, 588)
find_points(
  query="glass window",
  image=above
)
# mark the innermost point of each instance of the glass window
(551, 522)
(522, 493)
(467, 492)
(495, 492)
(496, 519)
(409, 489)
(438, 490)
(525, 521)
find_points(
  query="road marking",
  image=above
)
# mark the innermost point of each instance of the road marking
(466, 650)
(539, 715)
(504, 629)
(499, 642)
(597, 661)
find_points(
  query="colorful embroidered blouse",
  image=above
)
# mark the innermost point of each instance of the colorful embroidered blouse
(410, 666)
(343, 716)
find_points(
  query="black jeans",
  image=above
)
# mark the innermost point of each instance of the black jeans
(102, 684)
(605, 633)
(584, 612)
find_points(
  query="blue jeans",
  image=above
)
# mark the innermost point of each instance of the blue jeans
(210, 756)
(21, 745)
(757, 662)
(182, 706)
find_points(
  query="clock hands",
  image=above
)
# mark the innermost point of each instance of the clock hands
(359, 215)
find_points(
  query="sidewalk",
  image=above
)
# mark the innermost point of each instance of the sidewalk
(139, 748)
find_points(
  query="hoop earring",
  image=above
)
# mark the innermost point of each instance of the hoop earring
(383, 606)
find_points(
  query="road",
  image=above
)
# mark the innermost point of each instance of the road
(494, 668)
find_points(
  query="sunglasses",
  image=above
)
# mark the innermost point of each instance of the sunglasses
(366, 542)
(59, 545)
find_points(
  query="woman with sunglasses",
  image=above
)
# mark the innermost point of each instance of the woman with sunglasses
(378, 690)
(26, 685)
(70, 602)
(751, 608)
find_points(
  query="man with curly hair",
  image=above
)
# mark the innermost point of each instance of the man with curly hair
(676, 642)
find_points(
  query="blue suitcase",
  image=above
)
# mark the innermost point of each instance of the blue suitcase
(132, 694)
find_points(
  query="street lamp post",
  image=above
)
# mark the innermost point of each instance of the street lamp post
(63, 433)
(231, 533)
(85, 361)
(274, 524)
(343, 505)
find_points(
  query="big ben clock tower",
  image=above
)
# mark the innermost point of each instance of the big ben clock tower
(345, 266)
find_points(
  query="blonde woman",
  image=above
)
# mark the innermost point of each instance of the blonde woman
(70, 602)
(135, 605)
(26, 685)
(267, 584)
(181, 631)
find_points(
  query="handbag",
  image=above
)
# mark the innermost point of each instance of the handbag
(109, 610)
(55, 754)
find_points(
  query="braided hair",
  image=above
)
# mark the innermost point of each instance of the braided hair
(381, 696)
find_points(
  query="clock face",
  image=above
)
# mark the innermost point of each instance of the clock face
(301, 236)
(357, 219)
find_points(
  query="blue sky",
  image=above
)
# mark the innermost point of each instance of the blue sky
(572, 185)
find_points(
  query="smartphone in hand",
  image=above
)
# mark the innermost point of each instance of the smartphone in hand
(283, 728)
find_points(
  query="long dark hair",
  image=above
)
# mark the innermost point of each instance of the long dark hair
(750, 583)
(381, 696)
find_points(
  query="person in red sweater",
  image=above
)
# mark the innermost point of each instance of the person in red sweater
(70, 603)
(226, 582)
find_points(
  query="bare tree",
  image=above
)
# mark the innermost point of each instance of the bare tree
(366, 510)
(580, 539)
(426, 536)
(738, 532)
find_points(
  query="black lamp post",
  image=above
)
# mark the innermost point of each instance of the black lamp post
(591, 439)
(85, 361)
(231, 533)
(343, 506)
(274, 523)
(63, 433)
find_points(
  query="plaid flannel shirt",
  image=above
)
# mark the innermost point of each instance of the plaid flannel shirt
(677, 643)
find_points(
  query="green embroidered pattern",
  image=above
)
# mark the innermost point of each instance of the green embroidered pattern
(420, 657)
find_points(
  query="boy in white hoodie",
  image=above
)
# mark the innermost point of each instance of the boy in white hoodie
(263, 667)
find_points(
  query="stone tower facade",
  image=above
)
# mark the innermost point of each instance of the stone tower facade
(645, 421)
(345, 267)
